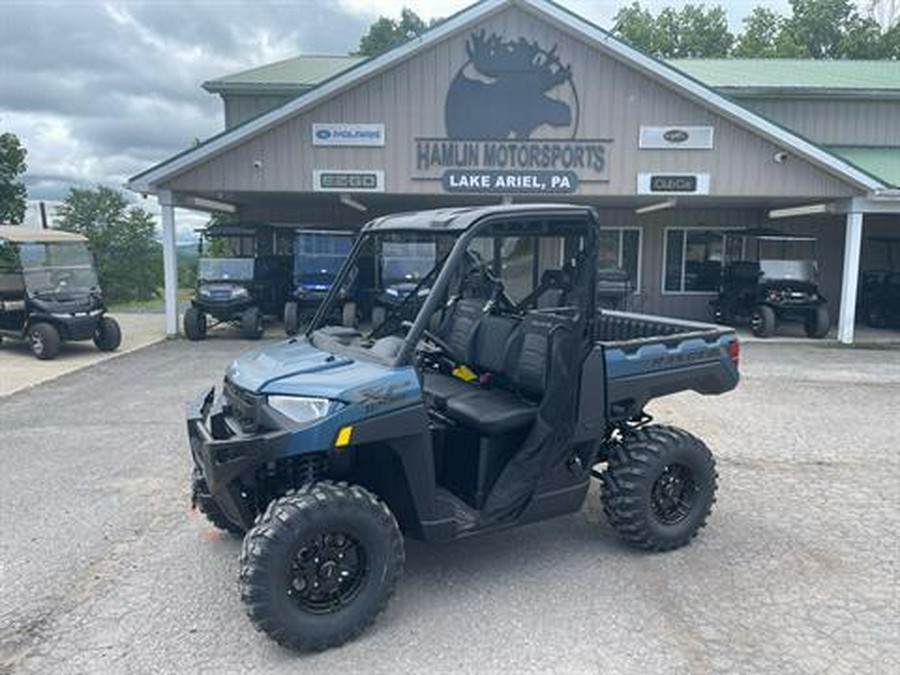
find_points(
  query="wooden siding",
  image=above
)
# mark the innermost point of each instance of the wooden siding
(409, 99)
(242, 107)
(834, 122)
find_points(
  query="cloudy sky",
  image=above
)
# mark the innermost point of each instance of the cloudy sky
(98, 90)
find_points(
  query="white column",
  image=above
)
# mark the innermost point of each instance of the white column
(852, 248)
(170, 273)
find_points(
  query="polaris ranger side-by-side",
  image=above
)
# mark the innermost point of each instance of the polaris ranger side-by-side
(488, 404)
(49, 291)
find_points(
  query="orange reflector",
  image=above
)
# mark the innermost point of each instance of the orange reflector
(343, 437)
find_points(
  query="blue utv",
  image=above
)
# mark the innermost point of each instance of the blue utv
(318, 256)
(488, 403)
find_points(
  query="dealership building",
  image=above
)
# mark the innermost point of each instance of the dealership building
(522, 100)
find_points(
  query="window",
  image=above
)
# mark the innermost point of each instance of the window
(620, 249)
(694, 258)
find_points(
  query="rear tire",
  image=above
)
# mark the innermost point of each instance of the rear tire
(201, 499)
(252, 326)
(319, 565)
(44, 341)
(817, 323)
(108, 335)
(659, 487)
(291, 318)
(194, 324)
(762, 321)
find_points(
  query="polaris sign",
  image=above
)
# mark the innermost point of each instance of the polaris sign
(348, 134)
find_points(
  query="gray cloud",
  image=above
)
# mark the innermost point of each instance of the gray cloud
(98, 91)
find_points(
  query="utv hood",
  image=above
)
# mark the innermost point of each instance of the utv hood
(297, 368)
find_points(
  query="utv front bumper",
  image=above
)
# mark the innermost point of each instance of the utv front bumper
(225, 454)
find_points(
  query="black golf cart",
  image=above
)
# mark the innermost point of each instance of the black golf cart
(480, 406)
(236, 287)
(776, 280)
(879, 288)
(49, 291)
(318, 255)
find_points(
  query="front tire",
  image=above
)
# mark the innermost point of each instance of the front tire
(203, 500)
(762, 321)
(817, 323)
(44, 340)
(108, 335)
(194, 324)
(319, 565)
(252, 326)
(291, 318)
(659, 487)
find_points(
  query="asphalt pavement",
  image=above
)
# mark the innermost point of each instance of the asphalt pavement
(104, 568)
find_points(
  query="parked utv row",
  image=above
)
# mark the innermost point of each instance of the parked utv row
(49, 292)
(485, 395)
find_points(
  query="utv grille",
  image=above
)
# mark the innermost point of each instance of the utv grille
(243, 405)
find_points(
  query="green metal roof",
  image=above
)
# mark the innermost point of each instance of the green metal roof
(296, 74)
(881, 162)
(783, 75)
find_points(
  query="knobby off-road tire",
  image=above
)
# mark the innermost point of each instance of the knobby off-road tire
(659, 487)
(762, 321)
(252, 326)
(817, 323)
(203, 500)
(194, 324)
(320, 564)
(108, 335)
(291, 318)
(44, 341)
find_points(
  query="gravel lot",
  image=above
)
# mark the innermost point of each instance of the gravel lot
(105, 568)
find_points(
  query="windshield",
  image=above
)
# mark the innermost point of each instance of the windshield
(407, 261)
(514, 266)
(225, 269)
(318, 257)
(797, 270)
(58, 266)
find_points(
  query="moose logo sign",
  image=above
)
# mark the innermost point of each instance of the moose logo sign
(511, 114)
(508, 89)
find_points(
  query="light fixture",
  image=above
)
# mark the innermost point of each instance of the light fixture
(347, 200)
(659, 206)
(793, 211)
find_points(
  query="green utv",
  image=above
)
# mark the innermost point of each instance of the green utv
(489, 402)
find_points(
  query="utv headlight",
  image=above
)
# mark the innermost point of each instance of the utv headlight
(240, 292)
(303, 409)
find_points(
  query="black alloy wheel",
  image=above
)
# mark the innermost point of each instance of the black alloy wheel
(327, 572)
(673, 494)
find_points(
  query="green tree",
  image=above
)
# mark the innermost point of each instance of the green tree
(123, 239)
(386, 33)
(762, 29)
(833, 29)
(694, 31)
(12, 190)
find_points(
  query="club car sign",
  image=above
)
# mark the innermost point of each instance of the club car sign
(511, 115)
